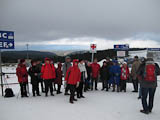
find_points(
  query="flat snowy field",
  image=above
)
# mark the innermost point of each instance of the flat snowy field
(98, 105)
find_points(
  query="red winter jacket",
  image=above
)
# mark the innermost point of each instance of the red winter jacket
(21, 72)
(73, 74)
(48, 71)
(95, 69)
(124, 73)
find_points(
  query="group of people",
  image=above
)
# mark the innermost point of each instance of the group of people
(82, 76)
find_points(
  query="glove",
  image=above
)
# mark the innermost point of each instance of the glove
(77, 85)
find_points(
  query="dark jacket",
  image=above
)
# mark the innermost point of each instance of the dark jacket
(104, 73)
(39, 67)
(59, 75)
(140, 73)
(65, 67)
(89, 70)
(34, 78)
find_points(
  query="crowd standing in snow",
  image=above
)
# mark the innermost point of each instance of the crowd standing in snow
(84, 76)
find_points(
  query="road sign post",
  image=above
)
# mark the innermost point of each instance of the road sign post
(93, 50)
(121, 49)
(6, 42)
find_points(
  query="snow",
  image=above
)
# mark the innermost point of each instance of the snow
(140, 53)
(99, 105)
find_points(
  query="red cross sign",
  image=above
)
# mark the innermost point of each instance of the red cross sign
(93, 48)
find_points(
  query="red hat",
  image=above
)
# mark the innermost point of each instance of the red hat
(47, 59)
(75, 60)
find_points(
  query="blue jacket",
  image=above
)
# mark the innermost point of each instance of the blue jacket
(115, 72)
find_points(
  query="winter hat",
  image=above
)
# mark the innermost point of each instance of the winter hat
(47, 59)
(136, 57)
(67, 57)
(80, 60)
(33, 61)
(124, 63)
(22, 60)
(114, 61)
(107, 58)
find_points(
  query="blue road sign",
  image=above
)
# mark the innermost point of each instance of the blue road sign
(121, 47)
(6, 40)
(153, 49)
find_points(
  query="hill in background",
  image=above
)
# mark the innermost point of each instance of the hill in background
(13, 56)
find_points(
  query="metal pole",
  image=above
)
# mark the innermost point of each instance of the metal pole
(1, 73)
(92, 57)
(27, 51)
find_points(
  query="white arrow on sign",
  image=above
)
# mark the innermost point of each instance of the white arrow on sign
(10, 44)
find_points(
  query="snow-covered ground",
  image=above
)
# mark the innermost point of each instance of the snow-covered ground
(99, 105)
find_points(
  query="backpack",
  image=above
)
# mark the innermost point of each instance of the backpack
(150, 73)
(9, 92)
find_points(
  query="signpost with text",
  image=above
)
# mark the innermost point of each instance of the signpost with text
(93, 49)
(6, 42)
(121, 49)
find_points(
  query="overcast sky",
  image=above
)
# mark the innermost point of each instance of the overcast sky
(75, 24)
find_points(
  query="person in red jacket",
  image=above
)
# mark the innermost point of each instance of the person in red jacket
(124, 76)
(22, 75)
(58, 80)
(95, 73)
(48, 74)
(73, 77)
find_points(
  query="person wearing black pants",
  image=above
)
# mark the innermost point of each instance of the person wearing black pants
(72, 89)
(23, 89)
(145, 91)
(80, 87)
(33, 72)
(104, 73)
(40, 80)
(65, 67)
(48, 74)
(88, 80)
(135, 85)
(48, 85)
(73, 77)
(92, 82)
(80, 90)
(83, 71)
(22, 74)
(135, 67)
(148, 84)
(95, 73)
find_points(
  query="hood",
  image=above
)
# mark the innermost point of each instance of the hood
(74, 61)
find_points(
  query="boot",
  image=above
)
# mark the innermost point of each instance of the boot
(117, 88)
(113, 88)
(52, 94)
(71, 100)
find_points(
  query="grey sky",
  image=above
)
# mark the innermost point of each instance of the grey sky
(50, 20)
